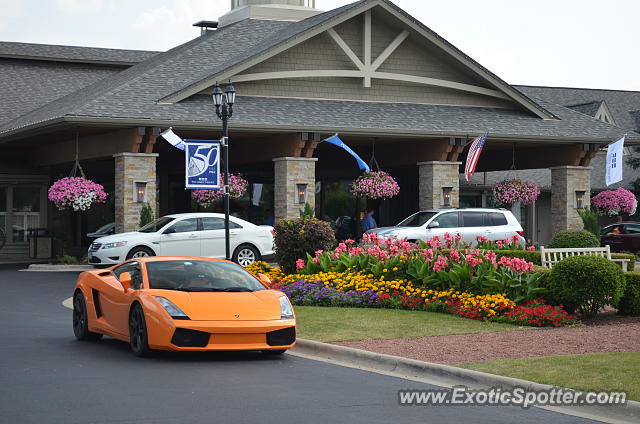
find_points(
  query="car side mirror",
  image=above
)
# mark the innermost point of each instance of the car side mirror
(264, 280)
(433, 224)
(169, 231)
(125, 280)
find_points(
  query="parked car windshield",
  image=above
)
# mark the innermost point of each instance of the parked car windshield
(201, 276)
(417, 219)
(104, 228)
(155, 226)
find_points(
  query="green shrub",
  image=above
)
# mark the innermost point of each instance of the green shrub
(66, 259)
(630, 301)
(631, 265)
(294, 238)
(590, 221)
(146, 215)
(574, 238)
(307, 211)
(586, 283)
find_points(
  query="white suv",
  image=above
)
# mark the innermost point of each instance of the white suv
(494, 224)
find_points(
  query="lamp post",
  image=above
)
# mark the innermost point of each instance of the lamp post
(224, 109)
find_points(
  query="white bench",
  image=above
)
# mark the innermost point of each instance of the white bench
(549, 257)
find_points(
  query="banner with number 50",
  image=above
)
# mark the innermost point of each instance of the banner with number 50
(202, 165)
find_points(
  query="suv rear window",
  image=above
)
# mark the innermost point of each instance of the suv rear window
(496, 218)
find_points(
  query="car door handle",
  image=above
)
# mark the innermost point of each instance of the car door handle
(193, 236)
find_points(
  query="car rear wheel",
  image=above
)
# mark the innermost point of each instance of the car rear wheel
(80, 320)
(138, 332)
(274, 352)
(246, 255)
(140, 252)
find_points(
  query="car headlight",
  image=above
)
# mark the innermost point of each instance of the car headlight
(286, 311)
(114, 244)
(171, 308)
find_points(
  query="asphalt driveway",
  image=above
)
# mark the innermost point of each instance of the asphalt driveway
(49, 377)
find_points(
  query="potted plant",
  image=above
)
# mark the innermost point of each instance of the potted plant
(510, 191)
(375, 185)
(77, 193)
(615, 202)
(206, 198)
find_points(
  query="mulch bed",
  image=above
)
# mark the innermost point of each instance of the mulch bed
(606, 333)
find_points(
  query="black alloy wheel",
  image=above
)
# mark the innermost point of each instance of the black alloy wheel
(80, 320)
(138, 332)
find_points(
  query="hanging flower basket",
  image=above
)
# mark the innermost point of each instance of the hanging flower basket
(77, 193)
(375, 185)
(508, 192)
(615, 202)
(206, 198)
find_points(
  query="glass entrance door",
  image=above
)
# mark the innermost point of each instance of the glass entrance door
(25, 210)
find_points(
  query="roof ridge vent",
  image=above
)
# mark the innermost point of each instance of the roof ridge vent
(269, 10)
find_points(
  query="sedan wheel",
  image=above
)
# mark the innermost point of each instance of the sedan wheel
(245, 255)
(80, 320)
(140, 252)
(138, 332)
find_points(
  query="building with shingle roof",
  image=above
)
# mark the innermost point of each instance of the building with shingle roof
(391, 87)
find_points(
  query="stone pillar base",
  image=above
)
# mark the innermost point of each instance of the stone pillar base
(132, 168)
(432, 177)
(289, 174)
(565, 182)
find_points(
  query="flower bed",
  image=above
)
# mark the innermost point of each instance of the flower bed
(471, 283)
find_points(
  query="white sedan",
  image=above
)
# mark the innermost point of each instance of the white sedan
(186, 234)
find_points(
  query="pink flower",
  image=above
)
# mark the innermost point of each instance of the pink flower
(440, 263)
(455, 256)
(299, 264)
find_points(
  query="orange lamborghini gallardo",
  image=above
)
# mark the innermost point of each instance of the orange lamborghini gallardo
(183, 303)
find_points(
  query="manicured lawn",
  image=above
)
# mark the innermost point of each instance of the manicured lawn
(341, 324)
(592, 372)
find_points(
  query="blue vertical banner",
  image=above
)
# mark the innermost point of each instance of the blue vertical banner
(202, 164)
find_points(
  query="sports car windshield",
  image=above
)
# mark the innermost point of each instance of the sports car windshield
(201, 276)
(155, 226)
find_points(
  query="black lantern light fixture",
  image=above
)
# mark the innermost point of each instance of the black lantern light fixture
(224, 110)
(446, 196)
(580, 198)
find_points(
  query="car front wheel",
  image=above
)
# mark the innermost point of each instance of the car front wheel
(138, 332)
(245, 255)
(140, 252)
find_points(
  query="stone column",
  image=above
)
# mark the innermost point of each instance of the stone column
(289, 172)
(565, 181)
(132, 168)
(432, 177)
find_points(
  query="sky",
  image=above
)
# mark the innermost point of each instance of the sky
(568, 43)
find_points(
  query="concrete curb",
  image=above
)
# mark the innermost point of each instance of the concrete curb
(57, 268)
(449, 376)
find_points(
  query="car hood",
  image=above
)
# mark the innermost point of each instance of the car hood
(391, 230)
(132, 235)
(221, 306)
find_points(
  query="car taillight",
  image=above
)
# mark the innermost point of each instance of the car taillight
(520, 233)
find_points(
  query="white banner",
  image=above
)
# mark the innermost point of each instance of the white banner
(615, 162)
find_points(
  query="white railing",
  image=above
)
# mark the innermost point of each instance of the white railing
(550, 257)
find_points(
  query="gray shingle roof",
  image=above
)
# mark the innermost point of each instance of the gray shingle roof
(620, 103)
(73, 53)
(28, 85)
(590, 108)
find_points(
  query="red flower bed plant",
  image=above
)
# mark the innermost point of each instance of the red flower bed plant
(536, 313)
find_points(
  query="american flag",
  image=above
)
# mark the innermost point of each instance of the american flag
(474, 154)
